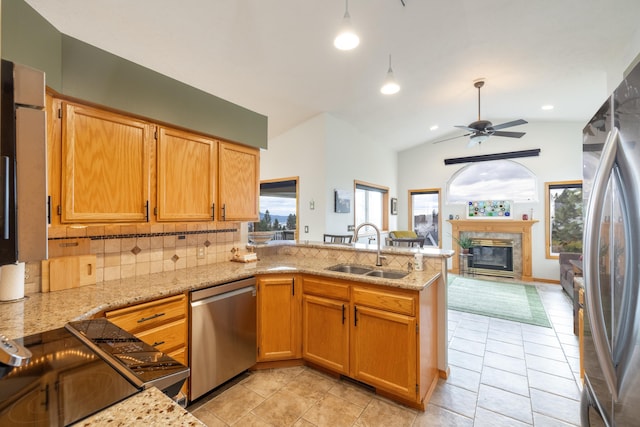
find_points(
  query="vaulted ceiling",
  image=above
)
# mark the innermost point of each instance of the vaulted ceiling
(276, 57)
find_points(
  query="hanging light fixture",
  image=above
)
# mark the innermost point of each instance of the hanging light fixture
(346, 39)
(390, 85)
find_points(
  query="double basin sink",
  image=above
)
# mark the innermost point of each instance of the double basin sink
(367, 271)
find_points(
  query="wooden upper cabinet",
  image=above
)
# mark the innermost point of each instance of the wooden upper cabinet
(186, 172)
(105, 166)
(238, 183)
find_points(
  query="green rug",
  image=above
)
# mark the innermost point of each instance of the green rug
(510, 301)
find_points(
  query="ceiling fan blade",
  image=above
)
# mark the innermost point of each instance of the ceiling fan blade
(509, 124)
(466, 128)
(509, 134)
(449, 139)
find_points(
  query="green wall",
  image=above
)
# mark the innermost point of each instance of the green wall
(77, 69)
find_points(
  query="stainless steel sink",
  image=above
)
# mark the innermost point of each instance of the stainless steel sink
(350, 268)
(367, 271)
(387, 274)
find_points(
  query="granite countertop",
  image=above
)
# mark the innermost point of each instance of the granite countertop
(45, 311)
(150, 407)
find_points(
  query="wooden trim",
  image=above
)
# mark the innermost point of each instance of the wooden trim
(498, 226)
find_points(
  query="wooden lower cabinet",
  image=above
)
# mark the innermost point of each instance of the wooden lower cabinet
(383, 336)
(160, 323)
(278, 314)
(325, 332)
(383, 351)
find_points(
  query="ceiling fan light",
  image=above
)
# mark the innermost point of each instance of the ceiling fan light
(477, 139)
(347, 38)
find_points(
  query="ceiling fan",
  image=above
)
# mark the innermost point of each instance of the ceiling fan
(481, 130)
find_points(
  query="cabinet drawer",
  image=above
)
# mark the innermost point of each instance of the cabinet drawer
(149, 315)
(167, 337)
(325, 288)
(396, 302)
(179, 355)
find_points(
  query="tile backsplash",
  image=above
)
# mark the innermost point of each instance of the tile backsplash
(125, 251)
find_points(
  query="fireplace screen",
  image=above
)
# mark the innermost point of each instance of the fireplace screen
(492, 256)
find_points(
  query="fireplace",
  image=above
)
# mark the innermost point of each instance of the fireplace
(492, 257)
(517, 231)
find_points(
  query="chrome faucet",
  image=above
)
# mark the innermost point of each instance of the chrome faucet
(379, 257)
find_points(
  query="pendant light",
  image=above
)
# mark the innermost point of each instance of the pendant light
(346, 39)
(390, 85)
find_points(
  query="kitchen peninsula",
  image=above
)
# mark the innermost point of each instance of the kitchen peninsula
(307, 261)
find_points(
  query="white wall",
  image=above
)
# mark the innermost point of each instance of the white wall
(560, 159)
(327, 153)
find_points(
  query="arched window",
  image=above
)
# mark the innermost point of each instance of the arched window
(493, 180)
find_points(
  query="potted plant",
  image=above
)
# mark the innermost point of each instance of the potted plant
(464, 242)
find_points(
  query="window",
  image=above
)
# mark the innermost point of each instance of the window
(493, 180)
(371, 205)
(278, 208)
(424, 215)
(563, 210)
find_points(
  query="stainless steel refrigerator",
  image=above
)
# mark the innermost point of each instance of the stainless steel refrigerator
(611, 191)
(24, 213)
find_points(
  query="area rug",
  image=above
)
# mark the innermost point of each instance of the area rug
(503, 300)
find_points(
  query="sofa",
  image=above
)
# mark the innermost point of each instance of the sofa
(567, 271)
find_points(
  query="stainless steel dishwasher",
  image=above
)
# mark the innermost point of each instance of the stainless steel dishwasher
(222, 334)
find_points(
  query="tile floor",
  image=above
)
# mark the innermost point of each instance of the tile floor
(503, 373)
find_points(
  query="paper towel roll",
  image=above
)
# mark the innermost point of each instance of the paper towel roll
(12, 281)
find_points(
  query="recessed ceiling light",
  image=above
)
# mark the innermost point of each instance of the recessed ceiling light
(547, 107)
(434, 127)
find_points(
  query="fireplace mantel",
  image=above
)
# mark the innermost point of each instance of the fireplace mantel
(515, 226)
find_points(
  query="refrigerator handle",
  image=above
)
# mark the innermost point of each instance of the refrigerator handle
(593, 219)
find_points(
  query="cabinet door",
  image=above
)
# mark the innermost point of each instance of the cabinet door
(238, 182)
(325, 332)
(383, 350)
(278, 318)
(105, 166)
(186, 176)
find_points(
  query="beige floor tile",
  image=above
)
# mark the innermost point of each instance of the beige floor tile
(283, 408)
(234, 403)
(333, 411)
(252, 420)
(310, 385)
(208, 418)
(381, 413)
(351, 393)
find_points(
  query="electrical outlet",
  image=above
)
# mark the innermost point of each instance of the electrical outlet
(351, 228)
(306, 228)
(201, 252)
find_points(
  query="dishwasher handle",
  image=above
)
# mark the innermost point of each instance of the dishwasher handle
(222, 289)
(224, 295)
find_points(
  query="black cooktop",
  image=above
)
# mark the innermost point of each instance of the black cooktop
(64, 382)
(79, 370)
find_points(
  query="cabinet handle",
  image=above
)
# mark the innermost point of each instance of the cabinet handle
(146, 209)
(293, 287)
(157, 343)
(343, 317)
(355, 316)
(213, 212)
(224, 211)
(49, 210)
(144, 319)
